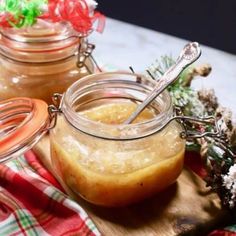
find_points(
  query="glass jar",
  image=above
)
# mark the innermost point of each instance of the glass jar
(40, 60)
(106, 164)
(115, 165)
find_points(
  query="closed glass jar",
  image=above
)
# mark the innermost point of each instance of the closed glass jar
(40, 60)
(101, 159)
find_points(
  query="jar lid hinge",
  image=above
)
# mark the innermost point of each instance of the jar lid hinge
(54, 109)
(85, 50)
(207, 128)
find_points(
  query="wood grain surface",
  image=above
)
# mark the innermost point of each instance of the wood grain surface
(185, 208)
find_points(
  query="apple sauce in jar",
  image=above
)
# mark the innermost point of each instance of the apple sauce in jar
(41, 60)
(105, 161)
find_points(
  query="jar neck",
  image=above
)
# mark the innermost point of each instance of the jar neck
(41, 43)
(37, 69)
(104, 87)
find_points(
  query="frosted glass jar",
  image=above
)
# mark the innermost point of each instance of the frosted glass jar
(115, 164)
(40, 60)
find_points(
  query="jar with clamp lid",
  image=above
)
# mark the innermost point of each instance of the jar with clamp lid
(93, 152)
(40, 60)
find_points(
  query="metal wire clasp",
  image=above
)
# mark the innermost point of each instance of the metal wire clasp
(206, 128)
(203, 126)
(54, 109)
(85, 50)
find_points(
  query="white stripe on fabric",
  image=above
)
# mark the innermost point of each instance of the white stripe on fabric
(69, 203)
(10, 225)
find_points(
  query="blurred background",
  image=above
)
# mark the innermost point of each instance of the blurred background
(210, 22)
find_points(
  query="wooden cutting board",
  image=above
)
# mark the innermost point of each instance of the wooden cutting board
(185, 208)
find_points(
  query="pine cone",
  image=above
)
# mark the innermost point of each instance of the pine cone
(209, 100)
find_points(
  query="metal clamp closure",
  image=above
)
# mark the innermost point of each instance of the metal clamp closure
(197, 127)
(54, 109)
(85, 50)
(207, 128)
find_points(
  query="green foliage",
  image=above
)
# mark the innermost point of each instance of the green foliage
(183, 96)
(217, 153)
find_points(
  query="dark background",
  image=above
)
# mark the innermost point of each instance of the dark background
(210, 22)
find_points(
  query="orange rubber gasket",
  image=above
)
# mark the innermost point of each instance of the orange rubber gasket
(36, 122)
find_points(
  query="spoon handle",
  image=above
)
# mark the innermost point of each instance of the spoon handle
(190, 53)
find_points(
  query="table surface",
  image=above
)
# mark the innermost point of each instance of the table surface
(122, 45)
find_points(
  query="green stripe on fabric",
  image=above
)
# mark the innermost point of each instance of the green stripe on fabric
(57, 195)
(27, 222)
(26, 164)
(17, 164)
(13, 226)
(91, 226)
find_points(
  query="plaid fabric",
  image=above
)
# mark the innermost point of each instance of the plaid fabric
(33, 203)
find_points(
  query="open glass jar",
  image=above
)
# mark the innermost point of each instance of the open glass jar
(40, 60)
(101, 159)
(92, 152)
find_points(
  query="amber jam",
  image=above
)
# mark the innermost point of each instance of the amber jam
(115, 113)
(108, 163)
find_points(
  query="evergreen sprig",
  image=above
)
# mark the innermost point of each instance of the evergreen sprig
(218, 154)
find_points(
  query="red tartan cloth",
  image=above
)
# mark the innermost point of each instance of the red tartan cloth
(32, 202)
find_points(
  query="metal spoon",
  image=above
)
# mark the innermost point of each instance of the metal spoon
(190, 53)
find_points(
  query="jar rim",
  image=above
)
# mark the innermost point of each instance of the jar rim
(42, 32)
(118, 131)
(44, 41)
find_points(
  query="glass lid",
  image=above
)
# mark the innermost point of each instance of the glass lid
(23, 121)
